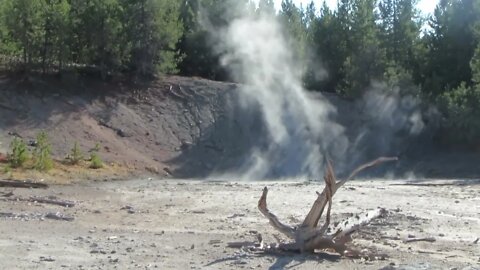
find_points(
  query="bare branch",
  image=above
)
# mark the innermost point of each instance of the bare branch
(330, 182)
(350, 225)
(365, 166)
(318, 206)
(262, 206)
(426, 239)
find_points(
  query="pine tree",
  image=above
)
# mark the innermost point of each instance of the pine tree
(294, 25)
(400, 39)
(366, 61)
(451, 46)
(54, 48)
(266, 7)
(153, 28)
(23, 29)
(97, 35)
(198, 45)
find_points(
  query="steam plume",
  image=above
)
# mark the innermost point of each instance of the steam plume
(302, 129)
(257, 55)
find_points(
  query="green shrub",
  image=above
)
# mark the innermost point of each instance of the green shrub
(18, 153)
(96, 148)
(7, 169)
(42, 153)
(95, 161)
(461, 108)
(75, 154)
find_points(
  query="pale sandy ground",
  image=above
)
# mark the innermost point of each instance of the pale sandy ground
(177, 224)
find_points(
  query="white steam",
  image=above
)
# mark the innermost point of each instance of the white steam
(299, 129)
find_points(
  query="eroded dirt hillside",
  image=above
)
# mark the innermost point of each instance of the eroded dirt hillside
(143, 126)
(189, 127)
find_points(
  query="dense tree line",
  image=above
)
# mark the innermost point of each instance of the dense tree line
(109, 35)
(436, 58)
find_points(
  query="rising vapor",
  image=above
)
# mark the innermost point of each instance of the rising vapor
(302, 128)
(299, 127)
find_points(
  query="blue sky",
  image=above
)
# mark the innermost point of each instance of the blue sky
(426, 6)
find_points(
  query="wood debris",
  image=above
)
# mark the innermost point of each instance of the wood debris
(420, 239)
(309, 235)
(47, 200)
(22, 184)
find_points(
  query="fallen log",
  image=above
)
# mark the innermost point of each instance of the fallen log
(46, 200)
(52, 200)
(309, 236)
(22, 184)
(419, 239)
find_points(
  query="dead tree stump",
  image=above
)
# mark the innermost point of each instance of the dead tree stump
(309, 236)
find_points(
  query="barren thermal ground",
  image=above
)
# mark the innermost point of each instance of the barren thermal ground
(178, 224)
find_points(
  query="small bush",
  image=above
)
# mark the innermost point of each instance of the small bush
(42, 153)
(18, 153)
(95, 161)
(461, 108)
(75, 154)
(7, 169)
(96, 148)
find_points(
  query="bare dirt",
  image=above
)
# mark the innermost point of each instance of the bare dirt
(139, 126)
(174, 224)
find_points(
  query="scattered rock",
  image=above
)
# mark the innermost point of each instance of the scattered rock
(236, 215)
(15, 134)
(185, 145)
(98, 250)
(167, 170)
(152, 169)
(212, 242)
(59, 216)
(32, 143)
(46, 259)
(129, 209)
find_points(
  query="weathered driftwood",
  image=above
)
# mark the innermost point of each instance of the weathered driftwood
(52, 200)
(21, 184)
(419, 239)
(308, 236)
(46, 200)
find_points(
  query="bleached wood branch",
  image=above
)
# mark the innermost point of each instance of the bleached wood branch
(307, 236)
(262, 206)
(318, 206)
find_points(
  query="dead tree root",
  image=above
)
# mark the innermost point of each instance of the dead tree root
(309, 236)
